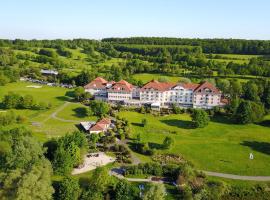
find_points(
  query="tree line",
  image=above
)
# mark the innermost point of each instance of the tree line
(222, 46)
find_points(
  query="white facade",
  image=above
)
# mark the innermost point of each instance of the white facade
(119, 96)
(203, 95)
(177, 95)
(206, 100)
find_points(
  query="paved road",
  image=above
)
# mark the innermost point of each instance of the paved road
(238, 177)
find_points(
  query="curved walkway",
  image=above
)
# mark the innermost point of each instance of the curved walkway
(54, 114)
(238, 177)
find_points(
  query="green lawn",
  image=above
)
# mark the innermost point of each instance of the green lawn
(145, 77)
(41, 122)
(76, 112)
(221, 146)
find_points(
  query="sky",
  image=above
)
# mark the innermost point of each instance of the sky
(96, 19)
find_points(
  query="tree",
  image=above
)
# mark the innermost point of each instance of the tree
(11, 100)
(176, 109)
(223, 85)
(251, 91)
(80, 94)
(100, 180)
(68, 152)
(94, 139)
(155, 192)
(144, 122)
(125, 191)
(85, 77)
(99, 108)
(27, 101)
(232, 107)
(257, 111)
(244, 113)
(31, 183)
(91, 195)
(26, 174)
(200, 118)
(3, 79)
(68, 189)
(167, 142)
(236, 89)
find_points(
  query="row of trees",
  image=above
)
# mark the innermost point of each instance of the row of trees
(225, 46)
(14, 100)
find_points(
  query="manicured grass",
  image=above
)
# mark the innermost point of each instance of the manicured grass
(145, 77)
(53, 95)
(54, 128)
(41, 122)
(76, 112)
(221, 146)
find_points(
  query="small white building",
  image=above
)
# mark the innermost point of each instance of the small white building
(49, 72)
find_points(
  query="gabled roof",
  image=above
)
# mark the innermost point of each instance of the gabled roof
(97, 83)
(121, 86)
(188, 86)
(192, 86)
(101, 125)
(207, 85)
(104, 121)
(156, 85)
(97, 127)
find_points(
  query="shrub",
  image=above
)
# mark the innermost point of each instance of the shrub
(200, 118)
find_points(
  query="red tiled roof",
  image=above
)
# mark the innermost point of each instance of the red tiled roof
(192, 86)
(156, 85)
(207, 85)
(98, 83)
(104, 121)
(101, 125)
(97, 127)
(122, 85)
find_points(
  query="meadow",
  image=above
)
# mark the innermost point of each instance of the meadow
(221, 146)
(56, 121)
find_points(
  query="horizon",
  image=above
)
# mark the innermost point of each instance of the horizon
(105, 19)
(99, 39)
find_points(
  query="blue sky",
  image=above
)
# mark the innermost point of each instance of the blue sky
(67, 19)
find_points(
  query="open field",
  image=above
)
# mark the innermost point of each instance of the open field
(221, 146)
(44, 123)
(238, 56)
(146, 77)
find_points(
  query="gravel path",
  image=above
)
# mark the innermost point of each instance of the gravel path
(238, 177)
(54, 114)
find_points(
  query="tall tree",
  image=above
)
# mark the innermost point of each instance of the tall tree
(68, 189)
(155, 192)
